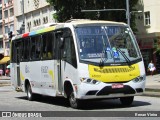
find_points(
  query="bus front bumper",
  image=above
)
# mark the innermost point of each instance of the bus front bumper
(106, 90)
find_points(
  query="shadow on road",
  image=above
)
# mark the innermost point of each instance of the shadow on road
(87, 105)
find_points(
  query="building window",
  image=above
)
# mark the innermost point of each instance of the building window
(1, 43)
(6, 14)
(12, 27)
(0, 14)
(5, 1)
(11, 12)
(147, 18)
(1, 29)
(7, 45)
(6, 29)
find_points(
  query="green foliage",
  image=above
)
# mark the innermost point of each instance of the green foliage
(71, 9)
(156, 47)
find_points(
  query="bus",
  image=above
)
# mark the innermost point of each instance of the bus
(79, 60)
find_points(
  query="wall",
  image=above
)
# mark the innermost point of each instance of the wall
(35, 14)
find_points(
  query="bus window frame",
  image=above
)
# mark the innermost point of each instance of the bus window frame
(25, 48)
(14, 54)
(53, 41)
(30, 46)
(59, 54)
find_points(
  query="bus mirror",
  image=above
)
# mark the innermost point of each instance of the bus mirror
(64, 56)
(61, 45)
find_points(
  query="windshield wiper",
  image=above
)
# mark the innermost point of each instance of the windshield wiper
(104, 47)
(126, 58)
(101, 63)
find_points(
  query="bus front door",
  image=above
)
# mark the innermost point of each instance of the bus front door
(18, 66)
(58, 64)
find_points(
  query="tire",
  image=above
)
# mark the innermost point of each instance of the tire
(30, 95)
(74, 103)
(127, 100)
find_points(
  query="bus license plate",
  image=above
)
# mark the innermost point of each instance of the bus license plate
(117, 86)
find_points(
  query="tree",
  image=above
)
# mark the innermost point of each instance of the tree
(71, 9)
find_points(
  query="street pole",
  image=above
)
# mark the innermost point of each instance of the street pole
(127, 12)
(23, 24)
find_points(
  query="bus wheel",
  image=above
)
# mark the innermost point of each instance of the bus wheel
(30, 95)
(74, 103)
(127, 100)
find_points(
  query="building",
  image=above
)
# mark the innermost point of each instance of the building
(148, 35)
(8, 23)
(19, 16)
(31, 14)
(1, 34)
(7, 9)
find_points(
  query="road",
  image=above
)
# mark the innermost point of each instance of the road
(16, 101)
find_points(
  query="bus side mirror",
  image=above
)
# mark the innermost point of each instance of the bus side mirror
(61, 43)
(64, 57)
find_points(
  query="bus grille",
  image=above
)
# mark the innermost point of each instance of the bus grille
(114, 70)
(108, 90)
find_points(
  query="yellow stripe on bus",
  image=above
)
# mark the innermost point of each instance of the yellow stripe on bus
(114, 73)
(21, 76)
(51, 74)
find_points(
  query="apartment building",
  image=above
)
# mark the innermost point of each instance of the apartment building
(6, 26)
(19, 16)
(1, 34)
(8, 23)
(32, 14)
(148, 34)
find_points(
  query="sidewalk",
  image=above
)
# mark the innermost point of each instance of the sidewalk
(4, 78)
(5, 81)
(152, 84)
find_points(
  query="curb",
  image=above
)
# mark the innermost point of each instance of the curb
(5, 83)
(151, 94)
(152, 90)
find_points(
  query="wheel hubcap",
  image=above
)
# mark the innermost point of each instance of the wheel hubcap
(29, 92)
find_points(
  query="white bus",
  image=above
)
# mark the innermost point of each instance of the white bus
(79, 60)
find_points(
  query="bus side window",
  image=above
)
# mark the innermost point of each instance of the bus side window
(35, 48)
(13, 57)
(19, 51)
(44, 46)
(47, 46)
(22, 51)
(38, 47)
(26, 49)
(32, 54)
(69, 51)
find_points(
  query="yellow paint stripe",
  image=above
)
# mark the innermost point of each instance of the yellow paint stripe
(114, 73)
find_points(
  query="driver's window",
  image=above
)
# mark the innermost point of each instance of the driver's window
(69, 49)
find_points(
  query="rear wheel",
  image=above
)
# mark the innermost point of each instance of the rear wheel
(30, 95)
(127, 100)
(74, 103)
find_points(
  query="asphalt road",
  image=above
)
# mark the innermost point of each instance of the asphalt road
(16, 101)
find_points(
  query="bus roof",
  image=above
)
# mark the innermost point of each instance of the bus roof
(74, 22)
(87, 21)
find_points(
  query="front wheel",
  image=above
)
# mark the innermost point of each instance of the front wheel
(127, 100)
(30, 95)
(74, 103)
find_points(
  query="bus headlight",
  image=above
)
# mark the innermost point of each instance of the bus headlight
(139, 79)
(90, 81)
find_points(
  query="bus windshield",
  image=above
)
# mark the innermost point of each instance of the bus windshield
(110, 44)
